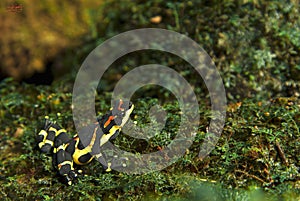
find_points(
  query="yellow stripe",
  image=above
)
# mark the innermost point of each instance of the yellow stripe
(52, 129)
(66, 163)
(77, 156)
(43, 133)
(45, 141)
(49, 142)
(41, 144)
(89, 147)
(81, 152)
(60, 131)
(106, 137)
(62, 147)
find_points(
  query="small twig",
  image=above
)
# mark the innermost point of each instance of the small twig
(281, 153)
(251, 175)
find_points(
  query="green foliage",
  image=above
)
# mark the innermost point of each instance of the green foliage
(255, 46)
(246, 155)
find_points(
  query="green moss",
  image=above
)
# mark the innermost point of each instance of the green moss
(255, 47)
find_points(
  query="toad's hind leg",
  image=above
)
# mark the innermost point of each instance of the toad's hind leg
(62, 157)
(65, 165)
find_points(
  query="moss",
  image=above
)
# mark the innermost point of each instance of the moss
(246, 154)
(254, 45)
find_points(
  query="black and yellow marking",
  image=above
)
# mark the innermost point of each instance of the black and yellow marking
(68, 151)
(46, 137)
